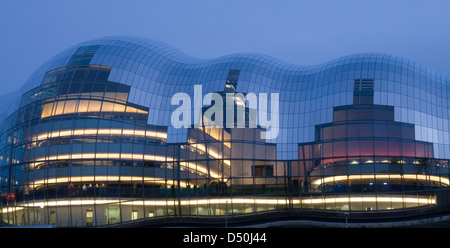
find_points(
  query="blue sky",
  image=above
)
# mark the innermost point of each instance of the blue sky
(298, 32)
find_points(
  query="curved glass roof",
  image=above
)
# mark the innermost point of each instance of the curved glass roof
(307, 94)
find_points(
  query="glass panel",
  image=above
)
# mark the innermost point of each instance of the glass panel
(122, 96)
(383, 114)
(327, 133)
(408, 149)
(366, 114)
(63, 88)
(339, 115)
(327, 150)
(394, 131)
(87, 87)
(420, 150)
(366, 130)
(92, 74)
(353, 114)
(366, 147)
(79, 74)
(380, 130)
(131, 110)
(110, 95)
(340, 149)
(408, 132)
(394, 148)
(47, 110)
(59, 108)
(381, 148)
(353, 131)
(70, 107)
(83, 106)
(94, 106)
(108, 107)
(75, 88)
(119, 107)
(339, 132)
(353, 148)
(103, 75)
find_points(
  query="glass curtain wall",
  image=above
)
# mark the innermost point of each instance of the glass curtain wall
(79, 152)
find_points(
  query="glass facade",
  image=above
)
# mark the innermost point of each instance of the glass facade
(88, 140)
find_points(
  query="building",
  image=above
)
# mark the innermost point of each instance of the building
(89, 139)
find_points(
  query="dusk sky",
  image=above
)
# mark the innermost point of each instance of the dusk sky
(297, 32)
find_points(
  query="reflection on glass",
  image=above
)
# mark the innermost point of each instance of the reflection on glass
(85, 106)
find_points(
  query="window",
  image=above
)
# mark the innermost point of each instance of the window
(85, 106)
(327, 133)
(134, 215)
(385, 114)
(89, 217)
(354, 148)
(366, 147)
(262, 170)
(52, 218)
(394, 148)
(363, 91)
(339, 115)
(327, 149)
(339, 132)
(366, 130)
(112, 214)
(394, 131)
(381, 148)
(339, 149)
(380, 130)
(108, 107)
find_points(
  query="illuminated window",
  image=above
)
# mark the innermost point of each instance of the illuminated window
(112, 214)
(119, 108)
(59, 108)
(47, 110)
(134, 215)
(52, 218)
(107, 107)
(82, 106)
(94, 106)
(121, 96)
(89, 217)
(70, 107)
(85, 106)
